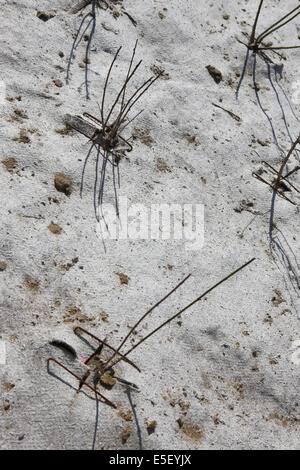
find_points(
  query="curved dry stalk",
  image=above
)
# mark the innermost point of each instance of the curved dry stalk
(177, 314)
(143, 317)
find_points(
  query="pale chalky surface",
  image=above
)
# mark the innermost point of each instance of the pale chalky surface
(224, 376)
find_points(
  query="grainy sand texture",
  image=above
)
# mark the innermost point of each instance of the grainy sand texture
(225, 373)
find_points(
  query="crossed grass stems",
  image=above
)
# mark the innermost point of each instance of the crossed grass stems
(280, 249)
(279, 185)
(257, 45)
(108, 139)
(98, 367)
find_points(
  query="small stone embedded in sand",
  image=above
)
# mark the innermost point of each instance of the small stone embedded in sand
(239, 387)
(74, 314)
(6, 405)
(23, 137)
(126, 415)
(244, 206)
(103, 316)
(55, 228)
(268, 319)
(45, 15)
(215, 73)
(278, 299)
(151, 427)
(3, 266)
(123, 278)
(19, 115)
(217, 420)
(191, 431)
(125, 435)
(61, 54)
(67, 130)
(107, 381)
(13, 98)
(8, 386)
(58, 83)
(63, 183)
(192, 139)
(263, 143)
(32, 284)
(65, 267)
(161, 165)
(143, 135)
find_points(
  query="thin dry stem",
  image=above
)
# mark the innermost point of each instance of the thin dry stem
(184, 309)
(144, 316)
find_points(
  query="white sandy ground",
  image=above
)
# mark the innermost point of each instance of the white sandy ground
(227, 375)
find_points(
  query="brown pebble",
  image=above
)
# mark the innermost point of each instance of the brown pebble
(107, 381)
(151, 427)
(45, 15)
(55, 228)
(125, 435)
(61, 54)
(32, 284)
(161, 165)
(58, 83)
(8, 386)
(63, 183)
(3, 266)
(6, 405)
(215, 73)
(123, 278)
(10, 164)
